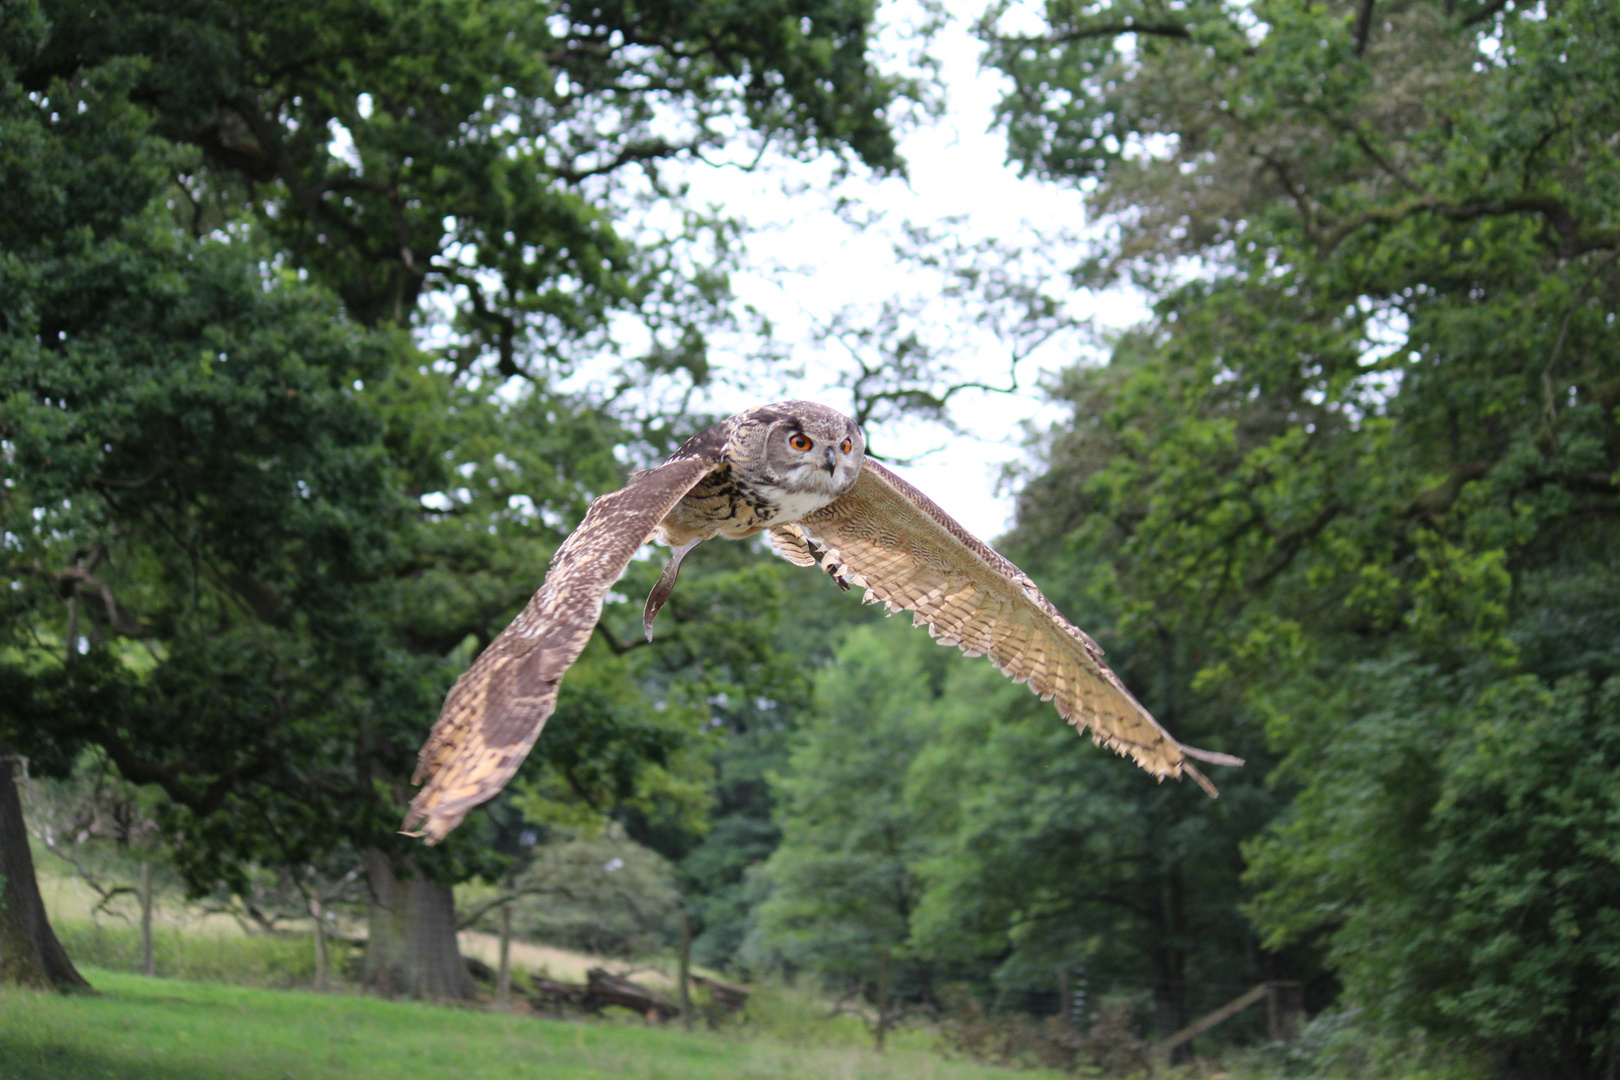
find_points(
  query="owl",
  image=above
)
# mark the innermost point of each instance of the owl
(797, 472)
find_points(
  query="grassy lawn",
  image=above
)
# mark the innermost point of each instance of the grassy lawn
(160, 1029)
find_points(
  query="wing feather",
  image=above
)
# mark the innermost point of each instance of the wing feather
(912, 556)
(494, 713)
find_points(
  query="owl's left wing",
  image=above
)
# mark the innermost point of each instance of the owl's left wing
(493, 714)
(887, 537)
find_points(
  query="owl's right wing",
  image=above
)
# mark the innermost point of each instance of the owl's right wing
(887, 537)
(496, 710)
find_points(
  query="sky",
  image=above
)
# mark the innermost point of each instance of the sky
(806, 263)
(821, 248)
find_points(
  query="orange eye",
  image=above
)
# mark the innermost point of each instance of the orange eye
(846, 446)
(800, 442)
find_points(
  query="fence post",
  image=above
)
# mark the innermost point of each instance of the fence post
(323, 967)
(503, 974)
(686, 970)
(148, 963)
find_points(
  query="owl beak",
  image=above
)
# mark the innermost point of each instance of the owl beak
(832, 461)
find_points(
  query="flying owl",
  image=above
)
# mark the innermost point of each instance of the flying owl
(796, 471)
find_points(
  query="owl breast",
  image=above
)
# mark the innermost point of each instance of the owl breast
(727, 505)
(790, 506)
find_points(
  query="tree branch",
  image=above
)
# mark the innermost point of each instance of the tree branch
(138, 770)
(1109, 29)
(1363, 26)
(651, 150)
(1289, 545)
(117, 618)
(1487, 12)
(617, 646)
(1557, 216)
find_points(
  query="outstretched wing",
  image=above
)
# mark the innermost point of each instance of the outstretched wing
(493, 714)
(887, 537)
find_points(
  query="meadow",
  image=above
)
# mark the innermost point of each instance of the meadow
(138, 1028)
(231, 1003)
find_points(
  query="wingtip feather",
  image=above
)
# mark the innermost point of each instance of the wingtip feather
(1203, 781)
(1211, 757)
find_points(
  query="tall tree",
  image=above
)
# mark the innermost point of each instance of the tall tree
(1369, 458)
(844, 881)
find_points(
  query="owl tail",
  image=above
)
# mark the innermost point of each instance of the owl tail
(666, 585)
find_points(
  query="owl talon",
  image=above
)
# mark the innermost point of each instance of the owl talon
(665, 586)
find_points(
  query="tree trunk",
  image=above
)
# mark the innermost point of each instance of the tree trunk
(686, 970)
(503, 974)
(411, 949)
(30, 955)
(323, 963)
(1169, 957)
(148, 962)
(883, 999)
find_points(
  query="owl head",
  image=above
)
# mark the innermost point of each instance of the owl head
(805, 447)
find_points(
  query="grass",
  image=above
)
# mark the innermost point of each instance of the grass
(276, 962)
(138, 1028)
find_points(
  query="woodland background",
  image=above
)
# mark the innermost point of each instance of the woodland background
(290, 300)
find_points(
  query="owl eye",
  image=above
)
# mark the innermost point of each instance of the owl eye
(845, 448)
(800, 442)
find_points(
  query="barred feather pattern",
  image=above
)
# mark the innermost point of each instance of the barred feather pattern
(888, 538)
(496, 710)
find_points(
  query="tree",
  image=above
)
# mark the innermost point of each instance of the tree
(30, 954)
(1048, 853)
(251, 528)
(1368, 459)
(755, 666)
(843, 881)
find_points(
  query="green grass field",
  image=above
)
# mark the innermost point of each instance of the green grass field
(158, 1029)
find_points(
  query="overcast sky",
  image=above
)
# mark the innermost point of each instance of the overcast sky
(806, 263)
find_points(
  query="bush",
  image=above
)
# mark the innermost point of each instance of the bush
(1339, 1043)
(1110, 1046)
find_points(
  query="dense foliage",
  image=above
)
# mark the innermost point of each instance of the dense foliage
(1362, 469)
(253, 525)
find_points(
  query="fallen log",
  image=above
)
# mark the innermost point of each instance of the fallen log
(603, 988)
(724, 998)
(548, 995)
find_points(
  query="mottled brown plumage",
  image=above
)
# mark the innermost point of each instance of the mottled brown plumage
(497, 709)
(796, 470)
(888, 538)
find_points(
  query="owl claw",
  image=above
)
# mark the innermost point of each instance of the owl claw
(665, 586)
